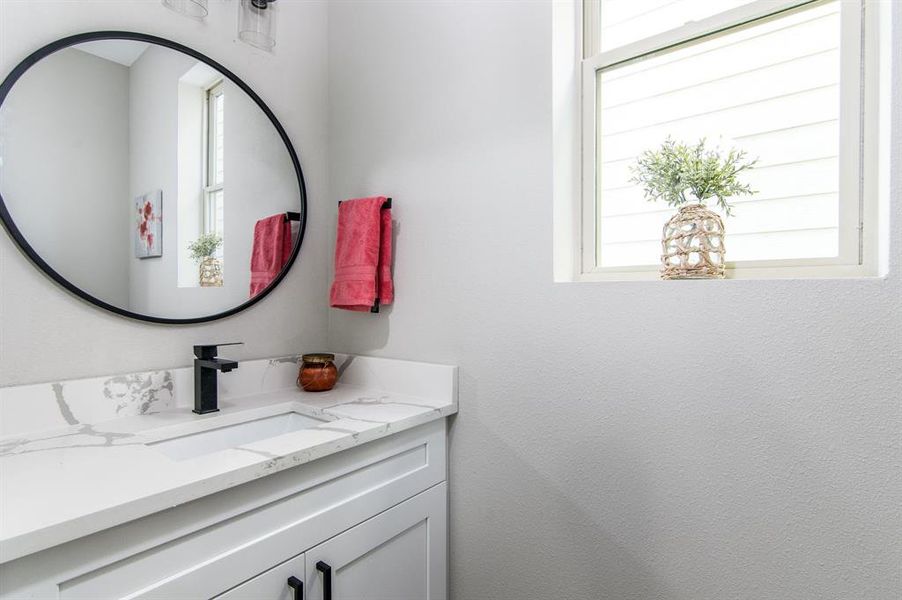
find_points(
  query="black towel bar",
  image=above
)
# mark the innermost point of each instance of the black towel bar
(386, 204)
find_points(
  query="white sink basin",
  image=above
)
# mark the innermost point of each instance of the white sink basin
(232, 436)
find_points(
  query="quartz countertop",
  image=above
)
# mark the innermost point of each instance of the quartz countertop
(59, 484)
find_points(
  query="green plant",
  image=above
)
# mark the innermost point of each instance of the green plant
(204, 246)
(677, 168)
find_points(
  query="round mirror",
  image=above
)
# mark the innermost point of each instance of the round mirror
(146, 178)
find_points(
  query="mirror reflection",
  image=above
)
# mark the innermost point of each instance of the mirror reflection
(148, 179)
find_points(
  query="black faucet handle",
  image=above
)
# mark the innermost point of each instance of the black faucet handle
(208, 351)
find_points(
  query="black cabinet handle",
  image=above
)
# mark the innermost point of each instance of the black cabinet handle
(298, 586)
(326, 570)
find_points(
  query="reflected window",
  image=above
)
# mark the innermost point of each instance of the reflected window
(214, 160)
(201, 172)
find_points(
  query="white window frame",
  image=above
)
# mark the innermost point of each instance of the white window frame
(210, 133)
(859, 128)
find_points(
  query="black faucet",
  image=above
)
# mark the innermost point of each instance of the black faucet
(205, 367)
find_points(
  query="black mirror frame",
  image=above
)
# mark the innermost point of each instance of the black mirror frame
(36, 259)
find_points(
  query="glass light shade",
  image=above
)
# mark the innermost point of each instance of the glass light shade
(196, 9)
(257, 23)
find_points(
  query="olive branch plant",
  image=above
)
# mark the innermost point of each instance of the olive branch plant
(204, 246)
(678, 174)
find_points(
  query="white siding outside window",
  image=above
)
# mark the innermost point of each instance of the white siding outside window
(626, 21)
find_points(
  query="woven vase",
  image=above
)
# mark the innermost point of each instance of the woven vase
(693, 244)
(210, 272)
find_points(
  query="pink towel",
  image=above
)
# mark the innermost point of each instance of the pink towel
(272, 247)
(363, 250)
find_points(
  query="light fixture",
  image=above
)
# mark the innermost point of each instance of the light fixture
(196, 9)
(257, 23)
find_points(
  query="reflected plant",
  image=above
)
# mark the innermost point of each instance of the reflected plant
(204, 246)
(678, 173)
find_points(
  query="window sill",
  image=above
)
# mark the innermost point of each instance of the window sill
(740, 273)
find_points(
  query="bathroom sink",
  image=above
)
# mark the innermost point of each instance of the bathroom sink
(231, 436)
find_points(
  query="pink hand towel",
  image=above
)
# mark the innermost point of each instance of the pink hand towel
(363, 253)
(272, 248)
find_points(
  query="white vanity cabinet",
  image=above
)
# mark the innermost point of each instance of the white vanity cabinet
(398, 555)
(374, 513)
(273, 584)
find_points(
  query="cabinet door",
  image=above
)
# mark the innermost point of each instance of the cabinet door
(397, 555)
(272, 584)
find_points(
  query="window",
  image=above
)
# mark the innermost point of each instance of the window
(783, 80)
(214, 162)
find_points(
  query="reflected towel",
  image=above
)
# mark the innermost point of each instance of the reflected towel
(272, 248)
(363, 254)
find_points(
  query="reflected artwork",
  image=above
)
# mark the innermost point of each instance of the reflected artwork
(149, 225)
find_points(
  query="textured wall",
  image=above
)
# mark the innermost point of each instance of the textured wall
(45, 334)
(590, 458)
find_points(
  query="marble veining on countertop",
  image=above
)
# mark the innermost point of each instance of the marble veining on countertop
(77, 473)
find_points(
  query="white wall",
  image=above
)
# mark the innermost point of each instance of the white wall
(191, 99)
(64, 173)
(154, 123)
(48, 334)
(634, 440)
